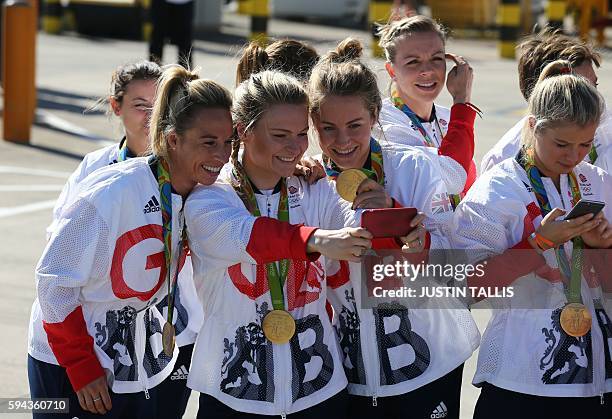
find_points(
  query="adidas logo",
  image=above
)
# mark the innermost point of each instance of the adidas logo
(152, 205)
(440, 412)
(180, 374)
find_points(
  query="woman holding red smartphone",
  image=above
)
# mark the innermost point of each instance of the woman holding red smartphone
(396, 359)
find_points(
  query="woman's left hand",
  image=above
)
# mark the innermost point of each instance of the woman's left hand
(414, 242)
(371, 194)
(599, 237)
(310, 169)
(459, 79)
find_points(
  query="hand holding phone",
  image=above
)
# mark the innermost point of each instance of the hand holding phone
(388, 222)
(584, 207)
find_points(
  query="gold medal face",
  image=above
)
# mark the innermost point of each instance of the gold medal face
(278, 326)
(348, 182)
(168, 339)
(575, 320)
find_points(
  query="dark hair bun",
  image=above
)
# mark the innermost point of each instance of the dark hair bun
(347, 50)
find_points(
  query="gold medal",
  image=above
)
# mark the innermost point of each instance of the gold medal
(575, 320)
(168, 339)
(348, 182)
(278, 326)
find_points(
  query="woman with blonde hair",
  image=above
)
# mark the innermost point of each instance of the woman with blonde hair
(534, 360)
(116, 253)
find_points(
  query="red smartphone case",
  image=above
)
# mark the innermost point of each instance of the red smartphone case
(388, 222)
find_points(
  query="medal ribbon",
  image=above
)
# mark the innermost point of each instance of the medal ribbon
(575, 273)
(124, 152)
(244, 188)
(165, 192)
(376, 173)
(402, 106)
(593, 154)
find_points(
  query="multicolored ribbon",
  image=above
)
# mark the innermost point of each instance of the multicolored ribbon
(375, 172)
(165, 193)
(124, 152)
(244, 188)
(402, 106)
(593, 154)
(573, 273)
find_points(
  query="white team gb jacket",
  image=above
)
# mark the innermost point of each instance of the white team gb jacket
(525, 349)
(510, 144)
(398, 130)
(102, 276)
(232, 359)
(188, 311)
(391, 352)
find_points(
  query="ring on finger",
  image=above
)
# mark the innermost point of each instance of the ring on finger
(97, 398)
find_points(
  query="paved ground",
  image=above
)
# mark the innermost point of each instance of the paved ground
(72, 71)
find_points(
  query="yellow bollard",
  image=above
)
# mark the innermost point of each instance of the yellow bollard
(245, 7)
(259, 21)
(18, 69)
(379, 13)
(147, 26)
(52, 16)
(555, 12)
(508, 22)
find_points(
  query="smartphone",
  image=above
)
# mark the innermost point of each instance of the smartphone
(584, 207)
(388, 222)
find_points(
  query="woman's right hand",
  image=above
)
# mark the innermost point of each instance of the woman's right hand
(345, 244)
(94, 397)
(561, 231)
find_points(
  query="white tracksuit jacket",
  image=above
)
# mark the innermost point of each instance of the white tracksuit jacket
(523, 349)
(102, 276)
(188, 311)
(398, 130)
(393, 352)
(232, 360)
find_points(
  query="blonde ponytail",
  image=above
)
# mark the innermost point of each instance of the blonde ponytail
(179, 94)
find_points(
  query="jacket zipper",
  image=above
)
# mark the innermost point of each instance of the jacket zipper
(369, 343)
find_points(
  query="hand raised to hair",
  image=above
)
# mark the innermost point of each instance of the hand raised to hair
(459, 79)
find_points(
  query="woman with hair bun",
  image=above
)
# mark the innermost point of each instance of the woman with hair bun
(416, 62)
(397, 364)
(550, 358)
(288, 56)
(116, 254)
